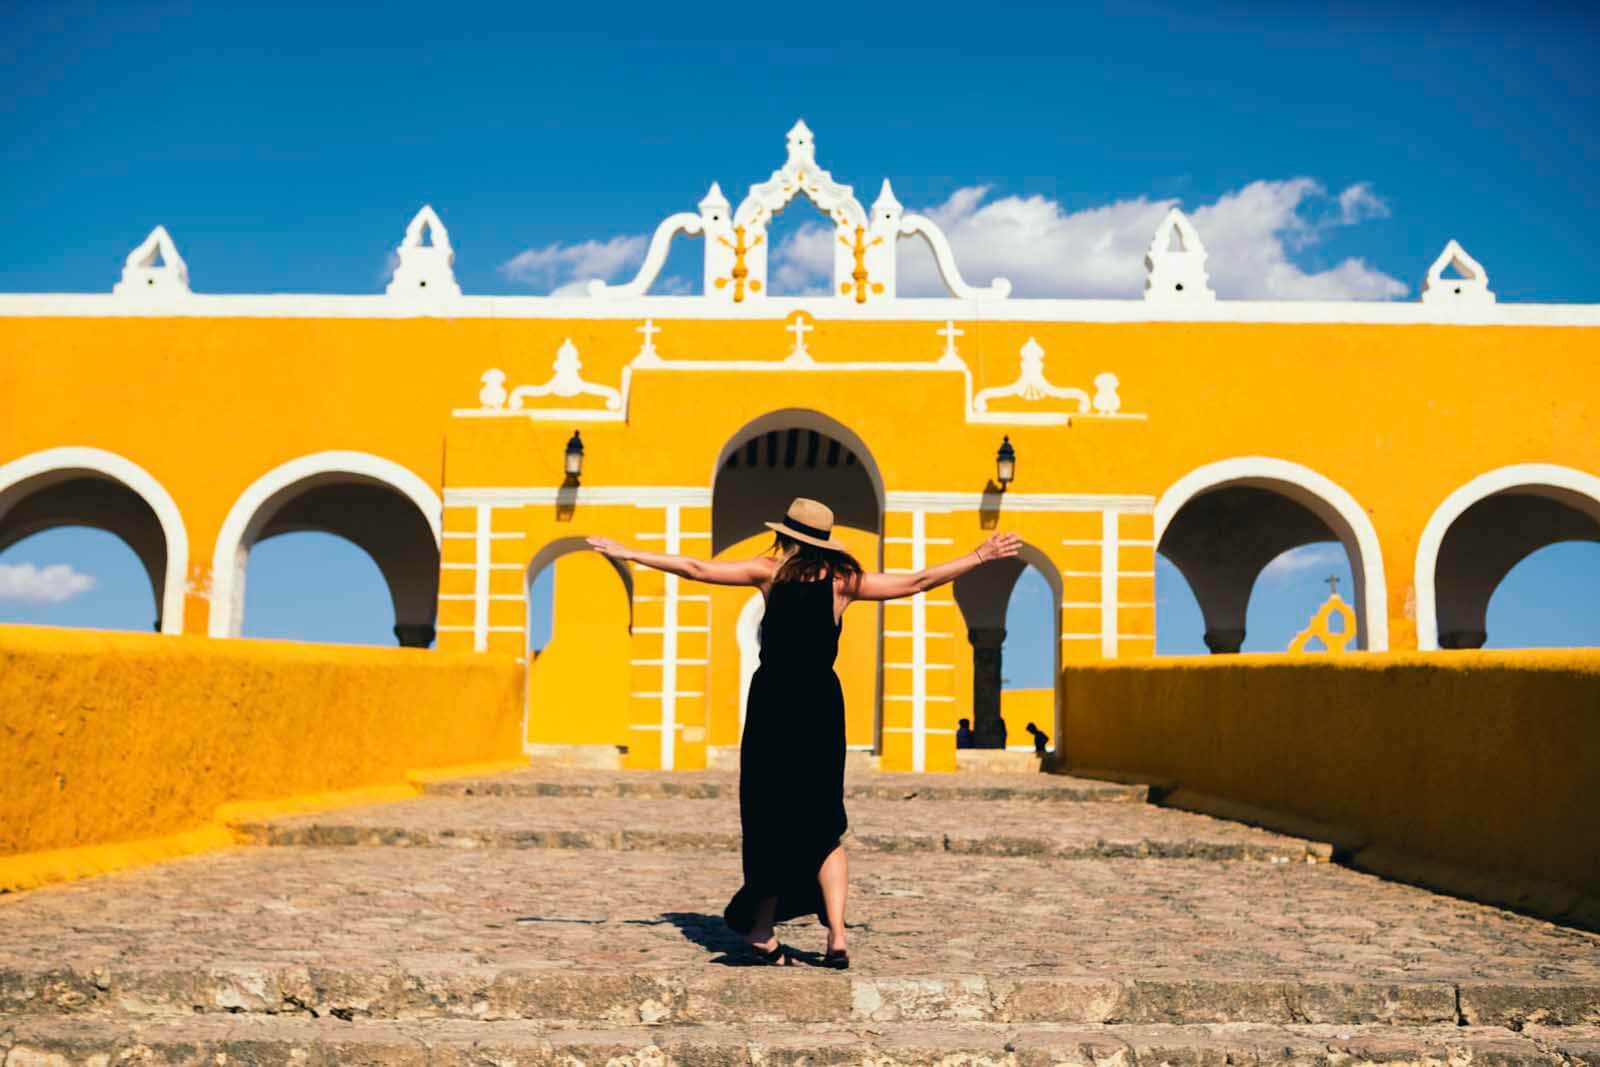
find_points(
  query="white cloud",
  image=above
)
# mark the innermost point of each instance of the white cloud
(42, 585)
(566, 269)
(1250, 235)
(1323, 556)
(802, 263)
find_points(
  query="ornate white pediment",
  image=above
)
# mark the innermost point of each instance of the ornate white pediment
(154, 269)
(426, 265)
(737, 245)
(1175, 264)
(1471, 288)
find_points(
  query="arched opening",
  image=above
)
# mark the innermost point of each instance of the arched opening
(763, 466)
(307, 585)
(580, 606)
(1223, 524)
(1012, 610)
(1482, 531)
(88, 487)
(379, 506)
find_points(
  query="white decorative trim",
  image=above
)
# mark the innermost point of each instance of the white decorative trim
(480, 580)
(143, 280)
(643, 496)
(919, 647)
(905, 500)
(253, 510)
(1531, 477)
(669, 646)
(1325, 499)
(425, 271)
(1469, 290)
(1176, 275)
(932, 310)
(59, 464)
(566, 381)
(945, 260)
(1108, 583)
(654, 258)
(1030, 383)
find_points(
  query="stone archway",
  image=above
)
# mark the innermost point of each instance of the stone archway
(1221, 524)
(78, 486)
(1482, 530)
(380, 506)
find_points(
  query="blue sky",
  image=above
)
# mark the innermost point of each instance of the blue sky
(1323, 152)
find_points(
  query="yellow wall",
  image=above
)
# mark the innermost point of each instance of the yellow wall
(112, 737)
(235, 398)
(572, 698)
(1477, 760)
(1019, 707)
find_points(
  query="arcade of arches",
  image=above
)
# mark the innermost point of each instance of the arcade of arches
(436, 431)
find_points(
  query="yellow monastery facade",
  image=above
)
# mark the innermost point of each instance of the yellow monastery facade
(1439, 442)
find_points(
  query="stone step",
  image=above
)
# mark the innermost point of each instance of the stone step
(1006, 828)
(326, 1042)
(724, 785)
(803, 995)
(619, 938)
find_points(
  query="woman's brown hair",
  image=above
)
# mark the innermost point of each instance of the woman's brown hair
(806, 562)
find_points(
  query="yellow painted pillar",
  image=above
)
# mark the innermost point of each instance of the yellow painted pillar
(669, 675)
(923, 635)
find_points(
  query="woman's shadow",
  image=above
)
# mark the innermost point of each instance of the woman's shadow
(711, 933)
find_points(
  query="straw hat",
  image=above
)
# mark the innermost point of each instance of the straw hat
(809, 521)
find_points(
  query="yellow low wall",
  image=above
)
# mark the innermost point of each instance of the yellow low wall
(118, 748)
(1477, 772)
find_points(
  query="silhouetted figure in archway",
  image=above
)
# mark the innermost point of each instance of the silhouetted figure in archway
(963, 733)
(1040, 739)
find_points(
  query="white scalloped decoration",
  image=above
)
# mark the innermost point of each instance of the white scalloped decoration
(154, 268)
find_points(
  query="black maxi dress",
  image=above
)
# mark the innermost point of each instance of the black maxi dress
(791, 760)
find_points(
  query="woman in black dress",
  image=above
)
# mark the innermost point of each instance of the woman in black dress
(791, 758)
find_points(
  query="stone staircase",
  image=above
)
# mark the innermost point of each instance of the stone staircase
(572, 917)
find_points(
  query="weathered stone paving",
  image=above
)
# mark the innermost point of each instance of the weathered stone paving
(1010, 827)
(859, 785)
(603, 953)
(436, 1043)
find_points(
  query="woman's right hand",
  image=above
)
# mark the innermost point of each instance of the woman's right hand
(607, 547)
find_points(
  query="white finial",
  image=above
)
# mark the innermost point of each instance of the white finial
(1472, 287)
(886, 207)
(425, 270)
(802, 146)
(714, 200)
(1175, 264)
(153, 268)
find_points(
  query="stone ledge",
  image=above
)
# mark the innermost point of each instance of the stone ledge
(733, 995)
(338, 1043)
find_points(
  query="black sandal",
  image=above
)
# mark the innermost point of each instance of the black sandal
(780, 956)
(836, 958)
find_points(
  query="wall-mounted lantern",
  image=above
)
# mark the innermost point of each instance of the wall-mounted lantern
(574, 457)
(1005, 463)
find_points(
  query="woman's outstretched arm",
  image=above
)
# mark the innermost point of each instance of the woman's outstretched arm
(717, 572)
(874, 586)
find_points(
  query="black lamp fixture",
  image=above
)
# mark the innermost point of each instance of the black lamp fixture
(1005, 463)
(574, 456)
